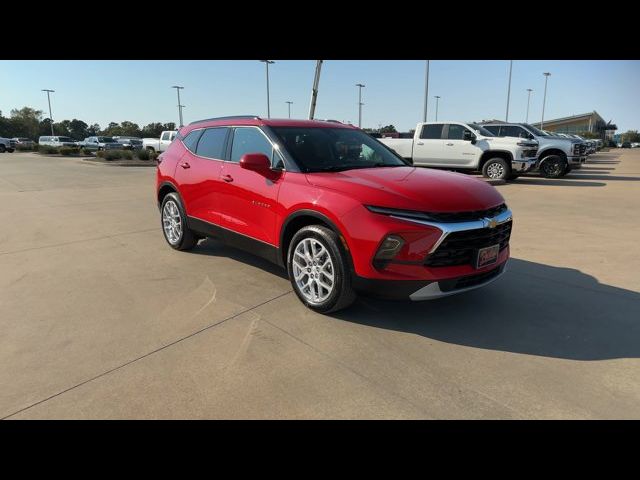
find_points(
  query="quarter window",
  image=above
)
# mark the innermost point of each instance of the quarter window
(211, 143)
(432, 131)
(191, 140)
(249, 140)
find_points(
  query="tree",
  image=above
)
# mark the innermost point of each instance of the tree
(93, 130)
(631, 136)
(130, 129)
(169, 126)
(388, 129)
(589, 135)
(25, 122)
(78, 129)
(112, 129)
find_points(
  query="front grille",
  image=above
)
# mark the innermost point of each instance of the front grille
(459, 248)
(469, 281)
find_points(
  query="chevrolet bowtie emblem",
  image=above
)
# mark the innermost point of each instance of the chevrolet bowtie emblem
(491, 222)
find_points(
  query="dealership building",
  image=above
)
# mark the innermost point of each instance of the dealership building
(587, 122)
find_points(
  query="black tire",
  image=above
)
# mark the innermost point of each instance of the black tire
(496, 168)
(2, 148)
(342, 294)
(513, 176)
(553, 166)
(151, 150)
(186, 240)
(10, 150)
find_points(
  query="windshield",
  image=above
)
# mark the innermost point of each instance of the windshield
(106, 140)
(335, 149)
(481, 130)
(65, 139)
(535, 131)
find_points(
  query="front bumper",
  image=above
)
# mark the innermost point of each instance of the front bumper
(417, 290)
(523, 165)
(575, 160)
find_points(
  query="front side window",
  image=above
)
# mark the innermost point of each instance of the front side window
(432, 131)
(106, 140)
(456, 132)
(513, 131)
(334, 149)
(211, 143)
(249, 140)
(165, 136)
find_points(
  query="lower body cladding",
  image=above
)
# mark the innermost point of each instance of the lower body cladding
(426, 290)
(523, 165)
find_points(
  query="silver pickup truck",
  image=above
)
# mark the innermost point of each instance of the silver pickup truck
(556, 155)
(466, 146)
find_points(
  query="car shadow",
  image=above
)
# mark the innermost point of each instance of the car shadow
(215, 248)
(564, 182)
(534, 309)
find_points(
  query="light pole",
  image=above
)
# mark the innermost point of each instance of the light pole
(528, 101)
(426, 92)
(544, 100)
(267, 62)
(178, 88)
(437, 101)
(289, 106)
(506, 118)
(360, 87)
(50, 114)
(183, 106)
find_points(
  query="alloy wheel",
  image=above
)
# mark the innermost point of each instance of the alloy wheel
(313, 270)
(172, 222)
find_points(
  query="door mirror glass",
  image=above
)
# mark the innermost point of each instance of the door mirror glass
(467, 135)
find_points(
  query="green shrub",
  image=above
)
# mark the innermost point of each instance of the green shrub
(23, 148)
(101, 153)
(48, 150)
(36, 147)
(143, 154)
(67, 151)
(86, 151)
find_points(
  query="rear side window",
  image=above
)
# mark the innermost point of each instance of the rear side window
(456, 132)
(191, 140)
(495, 129)
(433, 131)
(211, 143)
(249, 140)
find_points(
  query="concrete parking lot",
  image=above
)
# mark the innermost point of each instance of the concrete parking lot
(99, 318)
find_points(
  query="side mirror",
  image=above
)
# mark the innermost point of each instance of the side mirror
(257, 162)
(469, 136)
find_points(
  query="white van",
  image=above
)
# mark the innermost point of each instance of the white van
(57, 141)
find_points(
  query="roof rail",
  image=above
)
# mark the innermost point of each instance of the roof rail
(232, 117)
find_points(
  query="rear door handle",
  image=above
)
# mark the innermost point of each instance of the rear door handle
(420, 143)
(449, 144)
(227, 178)
(185, 165)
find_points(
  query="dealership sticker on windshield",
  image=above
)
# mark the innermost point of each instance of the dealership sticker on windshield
(487, 256)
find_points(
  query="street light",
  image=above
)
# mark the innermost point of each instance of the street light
(506, 118)
(178, 88)
(426, 93)
(50, 114)
(289, 107)
(528, 100)
(437, 100)
(360, 87)
(267, 62)
(183, 106)
(544, 100)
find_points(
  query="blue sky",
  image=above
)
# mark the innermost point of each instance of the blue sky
(139, 91)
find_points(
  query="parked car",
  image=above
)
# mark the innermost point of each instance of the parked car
(635, 144)
(466, 146)
(7, 145)
(341, 211)
(57, 141)
(23, 142)
(556, 155)
(129, 143)
(159, 144)
(99, 143)
(626, 145)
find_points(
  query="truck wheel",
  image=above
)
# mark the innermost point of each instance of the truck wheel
(513, 176)
(319, 270)
(2, 148)
(553, 166)
(496, 169)
(151, 150)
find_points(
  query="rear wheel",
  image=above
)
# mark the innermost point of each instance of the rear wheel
(496, 169)
(174, 224)
(553, 166)
(2, 148)
(319, 270)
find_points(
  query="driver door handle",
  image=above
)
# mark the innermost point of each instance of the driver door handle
(420, 143)
(185, 165)
(449, 144)
(227, 178)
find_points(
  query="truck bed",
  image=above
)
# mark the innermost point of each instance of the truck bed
(402, 146)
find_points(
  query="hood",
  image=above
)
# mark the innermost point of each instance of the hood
(411, 188)
(511, 141)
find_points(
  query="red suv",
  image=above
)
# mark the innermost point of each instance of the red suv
(340, 210)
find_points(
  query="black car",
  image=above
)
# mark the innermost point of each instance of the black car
(626, 144)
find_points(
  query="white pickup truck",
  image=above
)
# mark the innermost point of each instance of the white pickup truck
(159, 145)
(466, 146)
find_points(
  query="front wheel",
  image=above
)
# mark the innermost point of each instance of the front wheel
(174, 224)
(2, 148)
(10, 150)
(553, 166)
(319, 270)
(496, 169)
